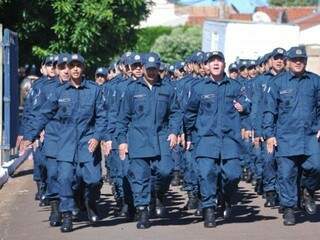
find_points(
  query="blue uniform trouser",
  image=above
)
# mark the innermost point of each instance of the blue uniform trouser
(269, 171)
(52, 178)
(210, 169)
(146, 175)
(116, 172)
(70, 175)
(39, 162)
(177, 156)
(258, 162)
(191, 173)
(248, 155)
(290, 170)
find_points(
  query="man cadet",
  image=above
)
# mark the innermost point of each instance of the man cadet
(233, 71)
(51, 137)
(39, 174)
(269, 184)
(213, 112)
(110, 146)
(147, 128)
(78, 107)
(291, 125)
(101, 75)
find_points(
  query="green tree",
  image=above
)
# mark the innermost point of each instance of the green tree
(291, 3)
(98, 29)
(147, 37)
(182, 41)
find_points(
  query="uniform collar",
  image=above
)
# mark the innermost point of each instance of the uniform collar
(303, 76)
(142, 81)
(84, 84)
(224, 80)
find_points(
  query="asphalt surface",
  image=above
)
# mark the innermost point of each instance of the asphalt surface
(22, 219)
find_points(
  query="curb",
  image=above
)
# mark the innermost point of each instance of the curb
(8, 168)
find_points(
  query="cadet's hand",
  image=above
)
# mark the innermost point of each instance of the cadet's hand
(247, 134)
(92, 144)
(271, 143)
(42, 136)
(237, 106)
(183, 140)
(24, 145)
(106, 147)
(243, 133)
(18, 142)
(188, 145)
(123, 150)
(318, 135)
(172, 138)
(256, 142)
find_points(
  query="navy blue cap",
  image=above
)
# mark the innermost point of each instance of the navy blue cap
(63, 58)
(151, 60)
(233, 66)
(124, 58)
(49, 60)
(55, 58)
(102, 71)
(179, 65)
(297, 52)
(134, 58)
(267, 56)
(171, 68)
(76, 57)
(243, 63)
(199, 57)
(163, 67)
(252, 63)
(278, 51)
(214, 54)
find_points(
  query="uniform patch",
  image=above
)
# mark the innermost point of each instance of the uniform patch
(64, 100)
(208, 96)
(286, 91)
(139, 96)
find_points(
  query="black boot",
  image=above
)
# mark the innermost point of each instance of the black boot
(309, 203)
(66, 222)
(122, 208)
(288, 217)
(55, 215)
(209, 217)
(259, 187)
(192, 203)
(198, 212)
(226, 207)
(270, 199)
(161, 211)
(143, 218)
(92, 212)
(176, 179)
(37, 196)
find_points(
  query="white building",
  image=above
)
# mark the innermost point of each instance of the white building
(249, 40)
(163, 14)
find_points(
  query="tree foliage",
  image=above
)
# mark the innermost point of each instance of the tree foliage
(98, 29)
(291, 3)
(148, 36)
(182, 41)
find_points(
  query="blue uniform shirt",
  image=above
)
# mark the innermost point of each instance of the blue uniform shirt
(81, 115)
(211, 113)
(292, 113)
(148, 116)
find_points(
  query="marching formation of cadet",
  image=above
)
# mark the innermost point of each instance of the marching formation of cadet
(188, 124)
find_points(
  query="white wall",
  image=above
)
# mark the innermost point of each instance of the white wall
(249, 40)
(162, 14)
(310, 36)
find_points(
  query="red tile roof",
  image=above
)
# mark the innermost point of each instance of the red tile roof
(293, 13)
(308, 21)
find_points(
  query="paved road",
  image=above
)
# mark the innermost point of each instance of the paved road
(22, 219)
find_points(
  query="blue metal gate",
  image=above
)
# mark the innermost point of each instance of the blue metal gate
(11, 89)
